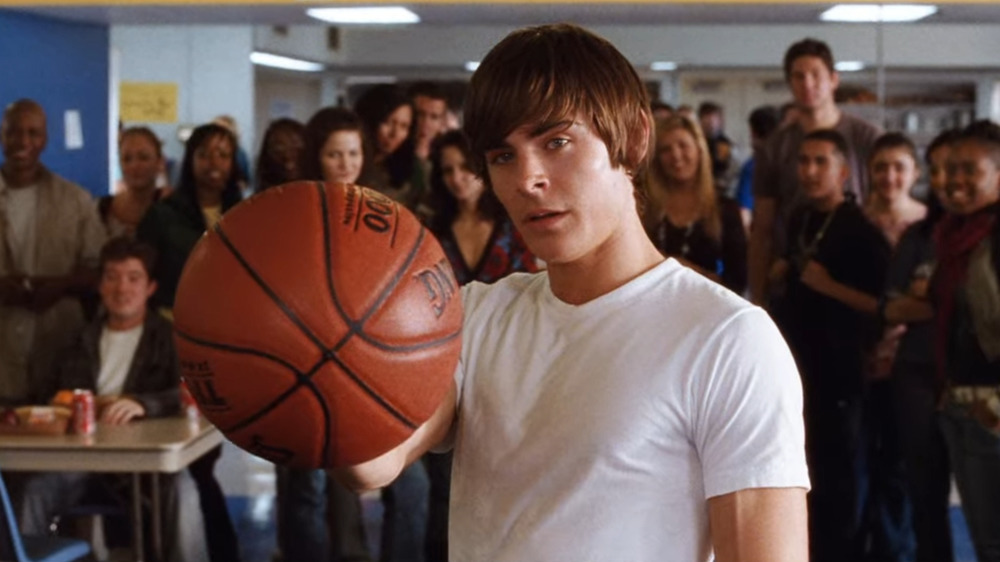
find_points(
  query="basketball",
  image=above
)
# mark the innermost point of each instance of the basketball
(318, 325)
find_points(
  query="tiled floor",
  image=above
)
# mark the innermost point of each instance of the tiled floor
(249, 485)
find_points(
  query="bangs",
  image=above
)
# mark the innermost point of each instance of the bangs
(551, 74)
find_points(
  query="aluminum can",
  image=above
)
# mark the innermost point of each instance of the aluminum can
(189, 406)
(84, 412)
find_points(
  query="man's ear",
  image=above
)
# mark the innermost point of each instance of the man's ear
(150, 289)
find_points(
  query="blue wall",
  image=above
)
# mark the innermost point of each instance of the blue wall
(62, 65)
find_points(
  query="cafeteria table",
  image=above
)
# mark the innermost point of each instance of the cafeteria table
(154, 447)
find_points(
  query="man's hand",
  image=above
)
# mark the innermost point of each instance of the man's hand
(122, 411)
(46, 293)
(816, 277)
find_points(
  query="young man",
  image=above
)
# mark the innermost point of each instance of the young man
(126, 356)
(617, 406)
(813, 81)
(430, 106)
(725, 165)
(50, 235)
(834, 269)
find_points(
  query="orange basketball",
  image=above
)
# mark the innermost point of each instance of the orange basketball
(318, 324)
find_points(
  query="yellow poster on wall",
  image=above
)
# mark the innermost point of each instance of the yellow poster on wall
(148, 102)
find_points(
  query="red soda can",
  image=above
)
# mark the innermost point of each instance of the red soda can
(84, 412)
(189, 406)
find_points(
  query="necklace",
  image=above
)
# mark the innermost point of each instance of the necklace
(807, 250)
(663, 234)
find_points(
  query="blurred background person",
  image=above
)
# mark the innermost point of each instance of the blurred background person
(687, 218)
(725, 164)
(482, 245)
(763, 121)
(335, 151)
(916, 390)
(209, 186)
(280, 155)
(140, 155)
(388, 116)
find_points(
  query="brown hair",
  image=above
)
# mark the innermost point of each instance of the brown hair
(121, 248)
(659, 184)
(808, 47)
(144, 132)
(549, 73)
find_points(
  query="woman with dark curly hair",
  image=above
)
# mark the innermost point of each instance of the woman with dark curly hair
(280, 153)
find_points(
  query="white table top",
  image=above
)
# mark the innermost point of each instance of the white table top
(156, 445)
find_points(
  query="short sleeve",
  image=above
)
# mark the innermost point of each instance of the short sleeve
(748, 424)
(90, 232)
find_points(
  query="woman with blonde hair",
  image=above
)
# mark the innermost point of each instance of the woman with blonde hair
(686, 218)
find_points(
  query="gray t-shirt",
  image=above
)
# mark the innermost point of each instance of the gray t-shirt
(776, 168)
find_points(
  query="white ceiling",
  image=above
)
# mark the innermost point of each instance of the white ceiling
(441, 14)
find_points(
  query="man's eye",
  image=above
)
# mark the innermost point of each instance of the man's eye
(558, 142)
(498, 158)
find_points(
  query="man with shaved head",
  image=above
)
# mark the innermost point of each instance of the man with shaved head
(50, 238)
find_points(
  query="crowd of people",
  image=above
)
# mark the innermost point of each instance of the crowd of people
(889, 305)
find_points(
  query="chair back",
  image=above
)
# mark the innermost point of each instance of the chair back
(11, 547)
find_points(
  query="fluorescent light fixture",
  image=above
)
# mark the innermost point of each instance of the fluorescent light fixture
(287, 63)
(370, 79)
(368, 15)
(893, 13)
(849, 66)
(663, 66)
(472, 65)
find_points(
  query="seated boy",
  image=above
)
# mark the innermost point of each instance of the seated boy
(126, 357)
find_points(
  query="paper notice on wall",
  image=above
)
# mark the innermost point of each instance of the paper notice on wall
(148, 102)
(73, 129)
(281, 108)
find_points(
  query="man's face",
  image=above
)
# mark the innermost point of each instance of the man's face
(973, 178)
(562, 192)
(711, 123)
(23, 137)
(822, 171)
(812, 83)
(125, 287)
(430, 117)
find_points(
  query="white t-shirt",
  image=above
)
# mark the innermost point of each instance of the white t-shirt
(117, 351)
(597, 432)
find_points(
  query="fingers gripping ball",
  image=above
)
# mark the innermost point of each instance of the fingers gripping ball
(318, 324)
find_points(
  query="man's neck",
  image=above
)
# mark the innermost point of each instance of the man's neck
(627, 255)
(824, 117)
(15, 179)
(423, 148)
(889, 205)
(121, 324)
(828, 204)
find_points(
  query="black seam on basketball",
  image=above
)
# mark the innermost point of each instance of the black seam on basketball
(396, 278)
(267, 290)
(408, 348)
(357, 327)
(327, 233)
(371, 392)
(302, 379)
(395, 228)
(328, 419)
(236, 349)
(361, 204)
